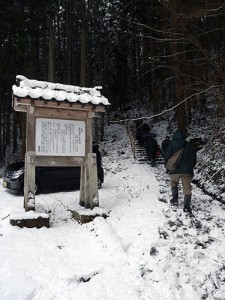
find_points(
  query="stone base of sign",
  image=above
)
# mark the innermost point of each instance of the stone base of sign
(84, 217)
(30, 219)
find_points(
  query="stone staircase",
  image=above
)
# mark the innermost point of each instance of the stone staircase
(140, 153)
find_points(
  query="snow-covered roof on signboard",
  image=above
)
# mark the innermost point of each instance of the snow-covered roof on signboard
(35, 89)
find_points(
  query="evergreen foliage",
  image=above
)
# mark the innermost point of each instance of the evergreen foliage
(160, 52)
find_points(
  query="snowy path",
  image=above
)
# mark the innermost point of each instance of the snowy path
(143, 250)
(194, 245)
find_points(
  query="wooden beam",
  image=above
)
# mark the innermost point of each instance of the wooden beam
(29, 181)
(57, 104)
(89, 183)
(88, 146)
(18, 106)
(83, 184)
(30, 142)
(93, 180)
(60, 161)
(58, 113)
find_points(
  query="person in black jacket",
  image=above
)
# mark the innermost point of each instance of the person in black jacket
(151, 147)
(141, 129)
(165, 144)
(184, 170)
(98, 155)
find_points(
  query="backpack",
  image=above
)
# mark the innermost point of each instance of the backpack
(174, 160)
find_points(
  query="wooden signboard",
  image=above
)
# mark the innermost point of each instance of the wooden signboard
(56, 137)
(59, 135)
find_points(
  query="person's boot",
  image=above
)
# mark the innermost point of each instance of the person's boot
(187, 204)
(174, 200)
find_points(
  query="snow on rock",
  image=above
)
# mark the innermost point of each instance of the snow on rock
(20, 214)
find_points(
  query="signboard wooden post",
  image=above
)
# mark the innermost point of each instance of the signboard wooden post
(59, 133)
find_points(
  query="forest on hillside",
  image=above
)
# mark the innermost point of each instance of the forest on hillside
(166, 53)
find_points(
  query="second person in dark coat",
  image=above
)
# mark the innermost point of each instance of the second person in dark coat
(184, 170)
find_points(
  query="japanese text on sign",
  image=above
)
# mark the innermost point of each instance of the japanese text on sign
(56, 137)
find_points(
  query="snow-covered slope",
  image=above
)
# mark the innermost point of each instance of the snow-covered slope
(142, 250)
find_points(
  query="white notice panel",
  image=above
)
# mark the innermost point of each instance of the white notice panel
(56, 137)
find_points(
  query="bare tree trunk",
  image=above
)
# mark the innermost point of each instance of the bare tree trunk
(83, 45)
(69, 42)
(1, 152)
(176, 66)
(51, 76)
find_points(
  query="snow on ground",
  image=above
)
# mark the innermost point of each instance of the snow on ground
(143, 250)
